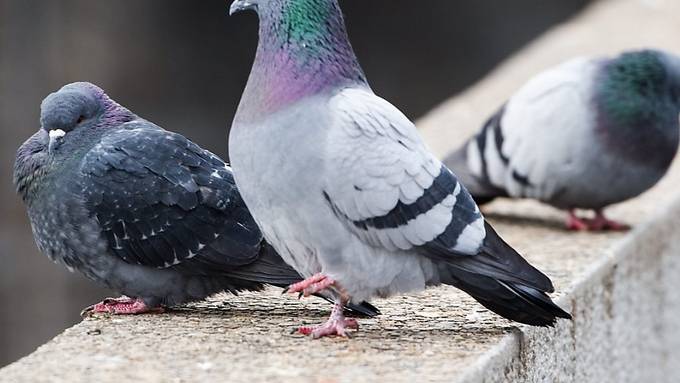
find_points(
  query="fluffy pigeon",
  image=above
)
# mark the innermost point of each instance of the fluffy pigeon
(143, 211)
(584, 135)
(344, 188)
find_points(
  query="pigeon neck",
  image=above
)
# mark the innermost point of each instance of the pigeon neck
(114, 114)
(303, 50)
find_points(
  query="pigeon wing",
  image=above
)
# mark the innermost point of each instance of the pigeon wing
(162, 201)
(388, 187)
(520, 149)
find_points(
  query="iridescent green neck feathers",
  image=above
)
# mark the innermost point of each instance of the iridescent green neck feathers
(638, 88)
(303, 50)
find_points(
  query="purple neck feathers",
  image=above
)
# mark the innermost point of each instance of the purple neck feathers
(300, 55)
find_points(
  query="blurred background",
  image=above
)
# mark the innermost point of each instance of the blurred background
(183, 65)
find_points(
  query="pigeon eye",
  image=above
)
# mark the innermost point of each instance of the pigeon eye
(80, 119)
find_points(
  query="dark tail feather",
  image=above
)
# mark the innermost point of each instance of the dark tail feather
(513, 301)
(504, 282)
(362, 309)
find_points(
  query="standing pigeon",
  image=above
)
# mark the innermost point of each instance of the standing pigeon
(139, 209)
(344, 188)
(587, 134)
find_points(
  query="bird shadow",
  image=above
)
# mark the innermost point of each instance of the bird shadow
(229, 310)
(543, 223)
(372, 328)
(516, 219)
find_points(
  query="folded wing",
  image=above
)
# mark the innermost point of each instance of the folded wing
(164, 202)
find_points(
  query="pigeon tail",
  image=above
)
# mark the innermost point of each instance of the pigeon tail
(482, 191)
(514, 301)
(503, 282)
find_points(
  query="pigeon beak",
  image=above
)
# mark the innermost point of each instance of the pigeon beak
(241, 5)
(56, 136)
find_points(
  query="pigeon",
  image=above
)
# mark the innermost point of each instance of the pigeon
(139, 209)
(344, 188)
(586, 134)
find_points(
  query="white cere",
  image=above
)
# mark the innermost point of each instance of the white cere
(57, 133)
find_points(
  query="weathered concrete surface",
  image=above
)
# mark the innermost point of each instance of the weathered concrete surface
(624, 289)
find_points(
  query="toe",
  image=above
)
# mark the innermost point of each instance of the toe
(573, 226)
(87, 311)
(328, 330)
(617, 226)
(352, 323)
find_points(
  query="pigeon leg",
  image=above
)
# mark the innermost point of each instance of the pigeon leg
(574, 223)
(311, 285)
(121, 306)
(336, 324)
(602, 223)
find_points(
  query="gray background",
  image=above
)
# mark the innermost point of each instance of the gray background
(183, 65)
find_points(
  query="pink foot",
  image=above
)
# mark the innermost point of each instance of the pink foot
(121, 306)
(574, 223)
(601, 223)
(311, 285)
(337, 324)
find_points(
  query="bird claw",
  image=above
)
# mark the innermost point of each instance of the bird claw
(333, 327)
(87, 312)
(120, 306)
(336, 325)
(311, 285)
(599, 223)
(575, 223)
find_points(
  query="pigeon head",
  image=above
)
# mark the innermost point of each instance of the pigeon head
(637, 92)
(79, 110)
(638, 87)
(72, 119)
(303, 50)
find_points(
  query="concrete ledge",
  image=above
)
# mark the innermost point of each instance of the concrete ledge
(623, 289)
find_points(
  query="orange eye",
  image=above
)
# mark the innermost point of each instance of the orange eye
(80, 119)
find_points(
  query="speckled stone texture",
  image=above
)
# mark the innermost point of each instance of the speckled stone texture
(624, 289)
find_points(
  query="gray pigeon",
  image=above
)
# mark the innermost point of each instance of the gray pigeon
(586, 134)
(143, 211)
(344, 188)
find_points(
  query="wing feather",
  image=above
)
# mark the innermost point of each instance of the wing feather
(387, 186)
(521, 148)
(162, 201)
